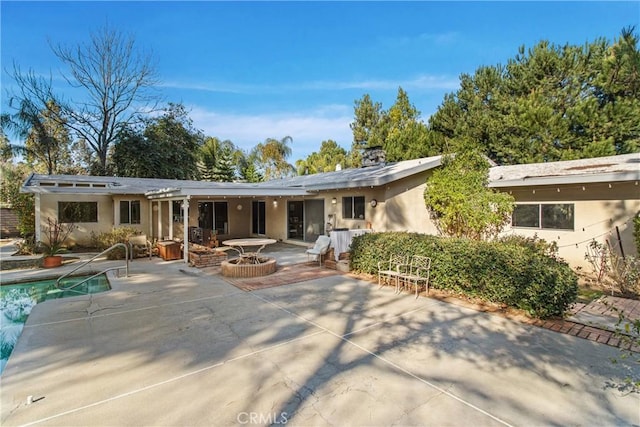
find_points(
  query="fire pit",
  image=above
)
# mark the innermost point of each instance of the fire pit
(248, 264)
(244, 267)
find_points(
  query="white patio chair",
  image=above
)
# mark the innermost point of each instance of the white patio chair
(320, 248)
(418, 273)
(388, 270)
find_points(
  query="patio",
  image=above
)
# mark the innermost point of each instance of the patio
(174, 345)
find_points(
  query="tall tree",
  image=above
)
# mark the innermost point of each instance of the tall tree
(272, 157)
(166, 148)
(224, 168)
(368, 127)
(548, 103)
(116, 82)
(325, 160)
(46, 142)
(406, 134)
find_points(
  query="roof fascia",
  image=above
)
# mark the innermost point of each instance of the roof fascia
(567, 179)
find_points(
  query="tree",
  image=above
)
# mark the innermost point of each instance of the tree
(548, 103)
(326, 160)
(271, 158)
(12, 177)
(46, 140)
(224, 168)
(116, 81)
(459, 201)
(406, 134)
(166, 148)
(368, 127)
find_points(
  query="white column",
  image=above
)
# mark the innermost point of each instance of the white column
(160, 220)
(151, 220)
(170, 219)
(185, 226)
(38, 223)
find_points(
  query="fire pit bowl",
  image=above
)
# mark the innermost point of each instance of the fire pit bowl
(249, 265)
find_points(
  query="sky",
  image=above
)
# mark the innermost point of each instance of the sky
(248, 71)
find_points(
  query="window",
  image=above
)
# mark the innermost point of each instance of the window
(178, 212)
(544, 216)
(72, 212)
(353, 207)
(221, 217)
(214, 216)
(130, 212)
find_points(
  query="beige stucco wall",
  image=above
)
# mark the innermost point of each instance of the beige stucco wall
(82, 234)
(405, 209)
(598, 209)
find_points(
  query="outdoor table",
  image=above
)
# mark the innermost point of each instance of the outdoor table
(239, 245)
(341, 239)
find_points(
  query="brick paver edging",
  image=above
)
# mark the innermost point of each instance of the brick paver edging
(590, 333)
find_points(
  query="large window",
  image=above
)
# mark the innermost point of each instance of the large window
(72, 212)
(214, 216)
(130, 212)
(353, 207)
(221, 217)
(544, 216)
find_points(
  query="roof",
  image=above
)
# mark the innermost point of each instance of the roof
(375, 176)
(623, 167)
(164, 188)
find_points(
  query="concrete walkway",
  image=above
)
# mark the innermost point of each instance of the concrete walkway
(172, 345)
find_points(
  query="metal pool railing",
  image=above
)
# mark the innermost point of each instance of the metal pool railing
(106, 251)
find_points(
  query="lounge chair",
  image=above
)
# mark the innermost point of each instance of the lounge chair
(320, 248)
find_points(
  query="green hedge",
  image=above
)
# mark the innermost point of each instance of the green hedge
(516, 272)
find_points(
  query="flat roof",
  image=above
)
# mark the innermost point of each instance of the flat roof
(623, 167)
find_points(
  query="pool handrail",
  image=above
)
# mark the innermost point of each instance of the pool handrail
(112, 247)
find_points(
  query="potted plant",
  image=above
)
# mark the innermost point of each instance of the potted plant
(56, 235)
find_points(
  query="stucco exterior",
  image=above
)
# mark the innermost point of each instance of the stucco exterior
(601, 211)
(603, 192)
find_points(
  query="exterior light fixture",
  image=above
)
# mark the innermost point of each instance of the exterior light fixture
(373, 203)
(334, 201)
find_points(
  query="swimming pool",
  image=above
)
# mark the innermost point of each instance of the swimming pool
(17, 300)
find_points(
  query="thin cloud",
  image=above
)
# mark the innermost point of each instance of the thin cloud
(420, 82)
(307, 129)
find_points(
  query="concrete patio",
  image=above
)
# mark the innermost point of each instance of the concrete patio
(173, 345)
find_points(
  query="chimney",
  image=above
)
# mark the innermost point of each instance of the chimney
(373, 156)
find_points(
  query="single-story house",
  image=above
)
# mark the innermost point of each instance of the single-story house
(568, 202)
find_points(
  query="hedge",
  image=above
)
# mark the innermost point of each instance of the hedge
(517, 272)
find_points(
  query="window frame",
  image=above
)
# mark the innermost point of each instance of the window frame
(130, 212)
(65, 210)
(352, 204)
(543, 220)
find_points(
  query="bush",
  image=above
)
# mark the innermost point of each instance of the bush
(636, 232)
(103, 241)
(518, 273)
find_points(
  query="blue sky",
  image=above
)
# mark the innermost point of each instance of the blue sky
(250, 71)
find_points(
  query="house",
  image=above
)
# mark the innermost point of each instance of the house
(574, 202)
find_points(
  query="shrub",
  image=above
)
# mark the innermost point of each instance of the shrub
(515, 272)
(103, 241)
(636, 232)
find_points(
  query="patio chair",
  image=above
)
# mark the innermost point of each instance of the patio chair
(417, 274)
(388, 270)
(320, 248)
(140, 246)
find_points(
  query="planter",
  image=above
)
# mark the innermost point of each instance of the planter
(247, 270)
(52, 261)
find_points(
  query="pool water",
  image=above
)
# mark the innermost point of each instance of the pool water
(16, 302)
